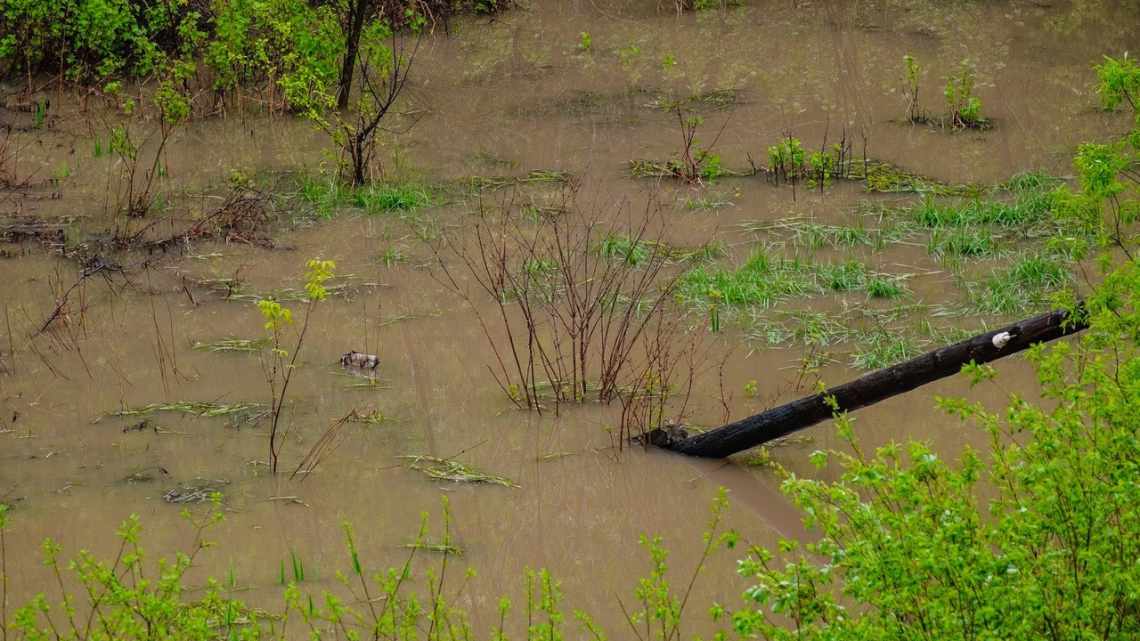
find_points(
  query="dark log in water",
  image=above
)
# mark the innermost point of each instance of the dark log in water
(871, 388)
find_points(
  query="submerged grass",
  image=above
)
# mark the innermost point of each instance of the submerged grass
(884, 177)
(716, 100)
(1021, 287)
(805, 327)
(812, 235)
(635, 252)
(707, 202)
(375, 417)
(341, 286)
(533, 177)
(207, 409)
(233, 345)
(451, 470)
(429, 546)
(882, 348)
(873, 339)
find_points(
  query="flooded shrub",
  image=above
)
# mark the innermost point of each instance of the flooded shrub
(786, 159)
(279, 364)
(287, 50)
(964, 108)
(581, 307)
(141, 166)
(96, 40)
(914, 112)
(694, 163)
(1119, 82)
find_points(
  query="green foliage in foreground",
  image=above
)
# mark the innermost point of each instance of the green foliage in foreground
(133, 598)
(909, 537)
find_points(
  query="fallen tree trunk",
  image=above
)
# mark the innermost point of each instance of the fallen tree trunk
(870, 388)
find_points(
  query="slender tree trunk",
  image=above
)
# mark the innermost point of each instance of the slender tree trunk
(870, 388)
(357, 12)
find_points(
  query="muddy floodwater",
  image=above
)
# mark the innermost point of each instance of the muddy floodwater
(505, 97)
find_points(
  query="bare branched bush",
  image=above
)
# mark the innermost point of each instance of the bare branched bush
(575, 314)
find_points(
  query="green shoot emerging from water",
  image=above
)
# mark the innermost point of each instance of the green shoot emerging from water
(280, 364)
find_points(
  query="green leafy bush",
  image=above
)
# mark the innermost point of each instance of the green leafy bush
(97, 39)
(1035, 539)
(965, 109)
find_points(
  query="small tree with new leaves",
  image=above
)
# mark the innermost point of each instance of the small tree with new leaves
(280, 364)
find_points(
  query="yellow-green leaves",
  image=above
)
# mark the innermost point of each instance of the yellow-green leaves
(276, 316)
(317, 274)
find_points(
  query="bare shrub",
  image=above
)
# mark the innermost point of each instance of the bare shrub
(575, 314)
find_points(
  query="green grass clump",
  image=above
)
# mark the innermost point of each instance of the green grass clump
(966, 242)
(884, 287)
(377, 199)
(1038, 272)
(324, 194)
(761, 281)
(764, 280)
(1032, 202)
(843, 277)
(1021, 287)
(623, 248)
(392, 256)
(817, 236)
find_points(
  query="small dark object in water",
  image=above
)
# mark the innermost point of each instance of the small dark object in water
(137, 427)
(360, 360)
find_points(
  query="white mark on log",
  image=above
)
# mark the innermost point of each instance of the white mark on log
(1001, 339)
